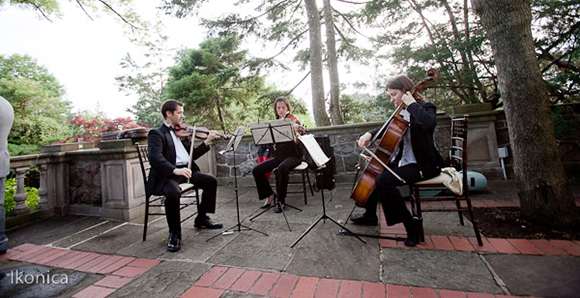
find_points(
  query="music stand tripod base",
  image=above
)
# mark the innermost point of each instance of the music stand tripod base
(323, 216)
(344, 232)
(231, 147)
(277, 204)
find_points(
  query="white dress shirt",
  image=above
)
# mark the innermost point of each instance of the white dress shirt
(181, 155)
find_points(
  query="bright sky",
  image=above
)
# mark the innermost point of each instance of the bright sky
(84, 54)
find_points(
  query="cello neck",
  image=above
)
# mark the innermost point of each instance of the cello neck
(381, 131)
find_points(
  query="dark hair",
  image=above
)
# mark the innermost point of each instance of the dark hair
(170, 105)
(285, 101)
(403, 83)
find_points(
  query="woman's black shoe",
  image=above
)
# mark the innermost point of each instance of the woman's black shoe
(411, 241)
(279, 208)
(364, 219)
(269, 203)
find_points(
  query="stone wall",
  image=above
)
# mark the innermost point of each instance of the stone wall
(482, 147)
(85, 182)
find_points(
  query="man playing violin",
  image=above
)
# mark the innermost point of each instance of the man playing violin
(417, 159)
(286, 157)
(169, 161)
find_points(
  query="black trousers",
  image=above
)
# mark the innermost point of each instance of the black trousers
(172, 192)
(284, 167)
(388, 195)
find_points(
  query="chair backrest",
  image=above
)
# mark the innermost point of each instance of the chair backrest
(458, 150)
(143, 153)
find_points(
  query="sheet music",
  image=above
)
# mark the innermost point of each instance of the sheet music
(235, 139)
(280, 129)
(314, 149)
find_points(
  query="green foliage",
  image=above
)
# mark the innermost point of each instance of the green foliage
(566, 122)
(118, 8)
(441, 34)
(36, 96)
(213, 84)
(556, 28)
(9, 203)
(147, 80)
(360, 108)
(46, 7)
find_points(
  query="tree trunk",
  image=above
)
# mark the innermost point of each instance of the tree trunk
(316, 80)
(334, 109)
(545, 196)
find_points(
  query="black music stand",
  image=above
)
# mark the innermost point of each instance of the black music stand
(272, 132)
(320, 159)
(232, 147)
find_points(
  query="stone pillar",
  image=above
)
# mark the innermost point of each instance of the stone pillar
(43, 190)
(21, 195)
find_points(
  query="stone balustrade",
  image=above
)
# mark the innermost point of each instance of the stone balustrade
(106, 180)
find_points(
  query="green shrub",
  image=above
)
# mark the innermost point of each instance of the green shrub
(9, 203)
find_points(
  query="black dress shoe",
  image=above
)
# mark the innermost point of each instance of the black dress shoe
(206, 223)
(174, 242)
(364, 219)
(412, 232)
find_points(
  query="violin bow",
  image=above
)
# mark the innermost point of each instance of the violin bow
(191, 149)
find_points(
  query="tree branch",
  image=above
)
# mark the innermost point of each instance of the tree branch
(350, 24)
(35, 6)
(83, 8)
(296, 86)
(118, 14)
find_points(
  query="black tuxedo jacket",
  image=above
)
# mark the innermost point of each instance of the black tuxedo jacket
(162, 157)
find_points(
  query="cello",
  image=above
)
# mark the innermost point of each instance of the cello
(392, 133)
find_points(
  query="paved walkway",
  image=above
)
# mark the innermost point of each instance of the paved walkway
(116, 263)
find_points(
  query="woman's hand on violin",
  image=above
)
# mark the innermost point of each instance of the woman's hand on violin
(364, 140)
(407, 98)
(185, 172)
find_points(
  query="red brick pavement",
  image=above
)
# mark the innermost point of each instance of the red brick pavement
(118, 270)
(219, 280)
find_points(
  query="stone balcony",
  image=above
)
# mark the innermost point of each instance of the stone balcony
(106, 181)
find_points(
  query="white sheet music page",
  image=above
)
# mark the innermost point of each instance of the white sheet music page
(314, 149)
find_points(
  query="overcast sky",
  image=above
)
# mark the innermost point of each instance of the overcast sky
(84, 54)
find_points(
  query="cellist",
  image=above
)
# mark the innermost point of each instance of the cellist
(417, 159)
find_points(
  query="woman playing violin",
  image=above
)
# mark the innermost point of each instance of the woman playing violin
(417, 159)
(285, 157)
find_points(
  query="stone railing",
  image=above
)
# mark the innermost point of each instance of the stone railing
(106, 180)
(483, 145)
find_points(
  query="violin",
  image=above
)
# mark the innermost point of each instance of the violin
(296, 123)
(184, 130)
